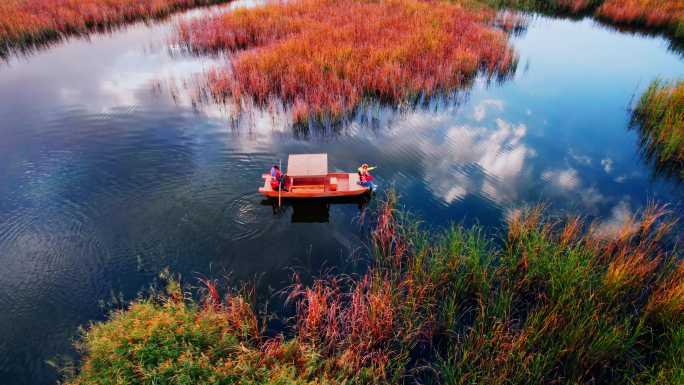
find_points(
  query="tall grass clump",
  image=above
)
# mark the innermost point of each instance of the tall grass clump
(667, 14)
(323, 57)
(24, 23)
(659, 116)
(171, 339)
(574, 305)
(552, 302)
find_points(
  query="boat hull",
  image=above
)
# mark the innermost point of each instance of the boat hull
(334, 185)
(289, 195)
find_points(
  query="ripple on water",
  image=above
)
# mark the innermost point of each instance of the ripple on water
(243, 218)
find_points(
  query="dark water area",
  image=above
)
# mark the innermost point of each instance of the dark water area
(110, 172)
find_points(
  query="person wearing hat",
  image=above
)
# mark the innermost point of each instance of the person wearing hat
(365, 178)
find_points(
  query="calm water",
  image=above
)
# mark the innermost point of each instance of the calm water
(109, 172)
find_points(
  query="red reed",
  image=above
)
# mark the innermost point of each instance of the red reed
(325, 56)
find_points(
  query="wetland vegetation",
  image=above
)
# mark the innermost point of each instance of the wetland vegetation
(24, 23)
(323, 59)
(553, 302)
(659, 14)
(659, 116)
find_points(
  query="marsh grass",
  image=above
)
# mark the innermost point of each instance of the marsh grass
(25, 24)
(659, 117)
(645, 16)
(325, 57)
(549, 7)
(552, 302)
(661, 14)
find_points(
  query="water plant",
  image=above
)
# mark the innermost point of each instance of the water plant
(24, 23)
(554, 302)
(647, 15)
(323, 57)
(554, 7)
(667, 14)
(659, 116)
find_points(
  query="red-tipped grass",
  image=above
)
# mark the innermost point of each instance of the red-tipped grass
(325, 56)
(667, 301)
(573, 305)
(34, 21)
(576, 6)
(649, 13)
(212, 299)
(359, 328)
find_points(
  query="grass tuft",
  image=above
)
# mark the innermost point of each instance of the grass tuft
(648, 13)
(659, 116)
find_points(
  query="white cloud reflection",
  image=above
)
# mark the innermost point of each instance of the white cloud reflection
(607, 165)
(579, 158)
(565, 179)
(480, 110)
(621, 215)
(459, 159)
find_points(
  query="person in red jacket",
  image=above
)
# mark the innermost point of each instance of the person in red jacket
(277, 179)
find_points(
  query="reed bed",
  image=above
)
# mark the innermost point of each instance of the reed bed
(553, 7)
(648, 13)
(555, 302)
(659, 116)
(323, 57)
(31, 22)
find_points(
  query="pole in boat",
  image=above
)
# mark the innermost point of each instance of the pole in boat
(280, 187)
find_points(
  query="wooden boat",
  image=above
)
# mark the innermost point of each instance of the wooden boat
(307, 177)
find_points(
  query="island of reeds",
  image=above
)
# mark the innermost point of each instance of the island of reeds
(552, 302)
(666, 15)
(26, 23)
(659, 117)
(325, 56)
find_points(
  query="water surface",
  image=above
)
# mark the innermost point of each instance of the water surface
(109, 171)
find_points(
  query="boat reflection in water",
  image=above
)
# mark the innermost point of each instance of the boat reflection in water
(315, 210)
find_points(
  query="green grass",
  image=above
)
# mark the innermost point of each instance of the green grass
(169, 339)
(659, 116)
(554, 302)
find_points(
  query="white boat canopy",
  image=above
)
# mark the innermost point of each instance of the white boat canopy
(307, 165)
